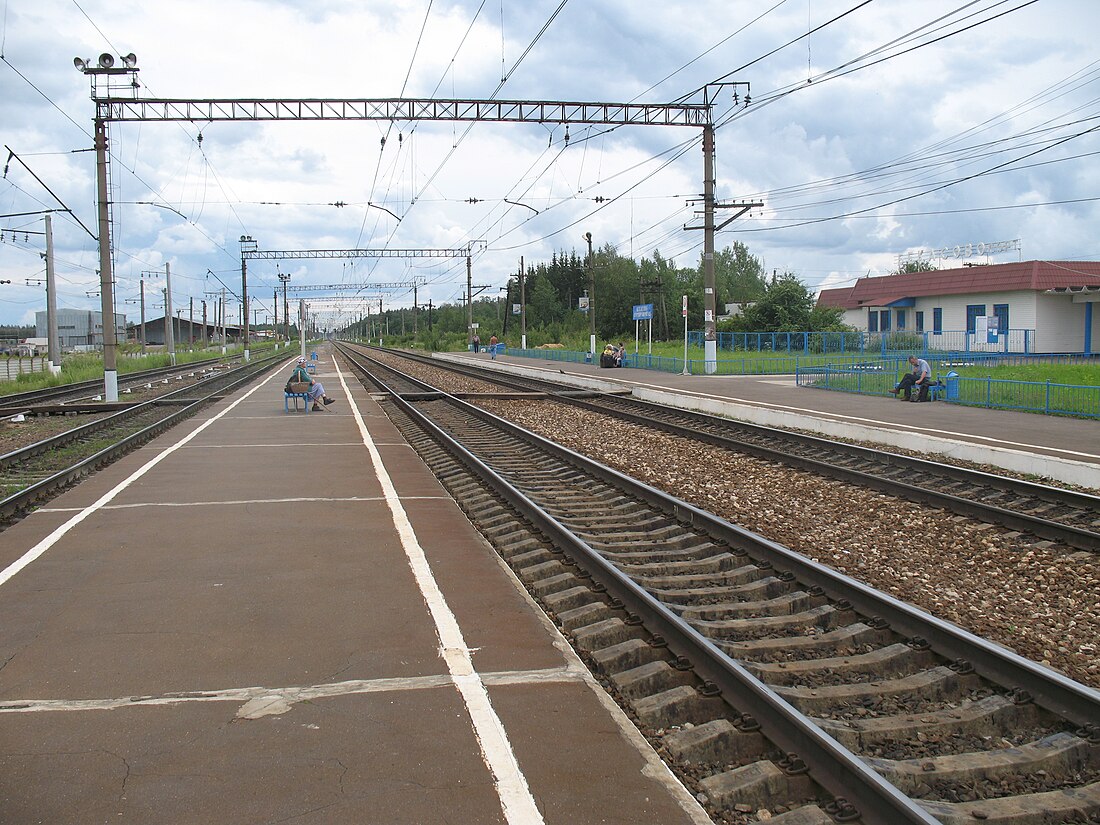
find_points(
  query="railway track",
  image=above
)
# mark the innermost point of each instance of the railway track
(778, 688)
(1048, 513)
(89, 390)
(38, 471)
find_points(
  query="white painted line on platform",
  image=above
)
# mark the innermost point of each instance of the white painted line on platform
(273, 446)
(239, 502)
(8, 572)
(285, 697)
(515, 795)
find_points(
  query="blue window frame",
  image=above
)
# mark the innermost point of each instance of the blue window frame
(973, 311)
(919, 319)
(937, 320)
(1000, 311)
(872, 321)
(901, 319)
(884, 320)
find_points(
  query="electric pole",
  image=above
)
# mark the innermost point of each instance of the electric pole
(142, 315)
(522, 306)
(169, 318)
(591, 299)
(51, 304)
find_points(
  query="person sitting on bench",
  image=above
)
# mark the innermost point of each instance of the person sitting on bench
(919, 377)
(316, 392)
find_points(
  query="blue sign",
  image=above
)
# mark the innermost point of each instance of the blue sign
(643, 312)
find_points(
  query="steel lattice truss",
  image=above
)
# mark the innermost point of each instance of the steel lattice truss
(414, 282)
(298, 254)
(402, 109)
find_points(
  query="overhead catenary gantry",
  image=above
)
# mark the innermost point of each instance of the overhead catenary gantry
(128, 107)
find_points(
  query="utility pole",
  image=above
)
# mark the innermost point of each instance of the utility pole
(204, 341)
(429, 315)
(522, 306)
(247, 245)
(416, 310)
(169, 318)
(469, 302)
(51, 303)
(284, 278)
(106, 275)
(275, 326)
(302, 324)
(191, 323)
(591, 299)
(142, 315)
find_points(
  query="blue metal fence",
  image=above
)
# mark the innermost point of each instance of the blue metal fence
(1020, 341)
(878, 378)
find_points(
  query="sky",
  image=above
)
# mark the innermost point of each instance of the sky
(867, 128)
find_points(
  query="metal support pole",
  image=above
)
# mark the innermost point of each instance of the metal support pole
(191, 323)
(302, 324)
(142, 316)
(469, 302)
(710, 336)
(106, 276)
(169, 318)
(51, 303)
(522, 307)
(591, 299)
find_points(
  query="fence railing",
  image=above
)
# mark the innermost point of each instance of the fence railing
(879, 377)
(771, 365)
(14, 366)
(870, 343)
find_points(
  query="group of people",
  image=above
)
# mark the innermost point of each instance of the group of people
(493, 341)
(612, 356)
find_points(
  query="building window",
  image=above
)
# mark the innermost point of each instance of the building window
(1000, 312)
(920, 321)
(872, 321)
(884, 320)
(973, 311)
(901, 319)
(937, 320)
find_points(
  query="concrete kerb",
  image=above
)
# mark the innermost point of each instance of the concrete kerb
(1063, 470)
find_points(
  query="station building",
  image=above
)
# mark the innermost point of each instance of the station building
(1027, 306)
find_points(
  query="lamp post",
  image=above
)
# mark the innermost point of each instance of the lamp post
(104, 70)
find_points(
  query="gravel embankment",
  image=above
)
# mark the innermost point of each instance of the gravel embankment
(1040, 601)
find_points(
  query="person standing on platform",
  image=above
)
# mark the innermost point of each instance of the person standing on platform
(493, 341)
(477, 343)
(316, 391)
(919, 377)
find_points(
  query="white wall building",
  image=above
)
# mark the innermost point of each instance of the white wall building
(1029, 306)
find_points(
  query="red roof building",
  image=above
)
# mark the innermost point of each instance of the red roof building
(1031, 306)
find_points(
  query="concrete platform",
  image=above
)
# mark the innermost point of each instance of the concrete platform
(268, 617)
(1063, 449)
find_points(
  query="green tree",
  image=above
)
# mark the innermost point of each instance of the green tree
(786, 306)
(738, 276)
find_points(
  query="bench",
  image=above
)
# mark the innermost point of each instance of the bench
(307, 402)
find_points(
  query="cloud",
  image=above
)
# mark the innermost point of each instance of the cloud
(811, 151)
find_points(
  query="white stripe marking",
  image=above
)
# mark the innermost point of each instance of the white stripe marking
(496, 751)
(59, 533)
(572, 672)
(239, 502)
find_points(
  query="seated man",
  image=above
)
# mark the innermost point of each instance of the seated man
(919, 377)
(316, 392)
(620, 354)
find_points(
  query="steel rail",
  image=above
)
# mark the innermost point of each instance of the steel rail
(1070, 535)
(22, 399)
(1050, 689)
(20, 501)
(832, 765)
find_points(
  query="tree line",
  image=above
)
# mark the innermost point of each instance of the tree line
(553, 289)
